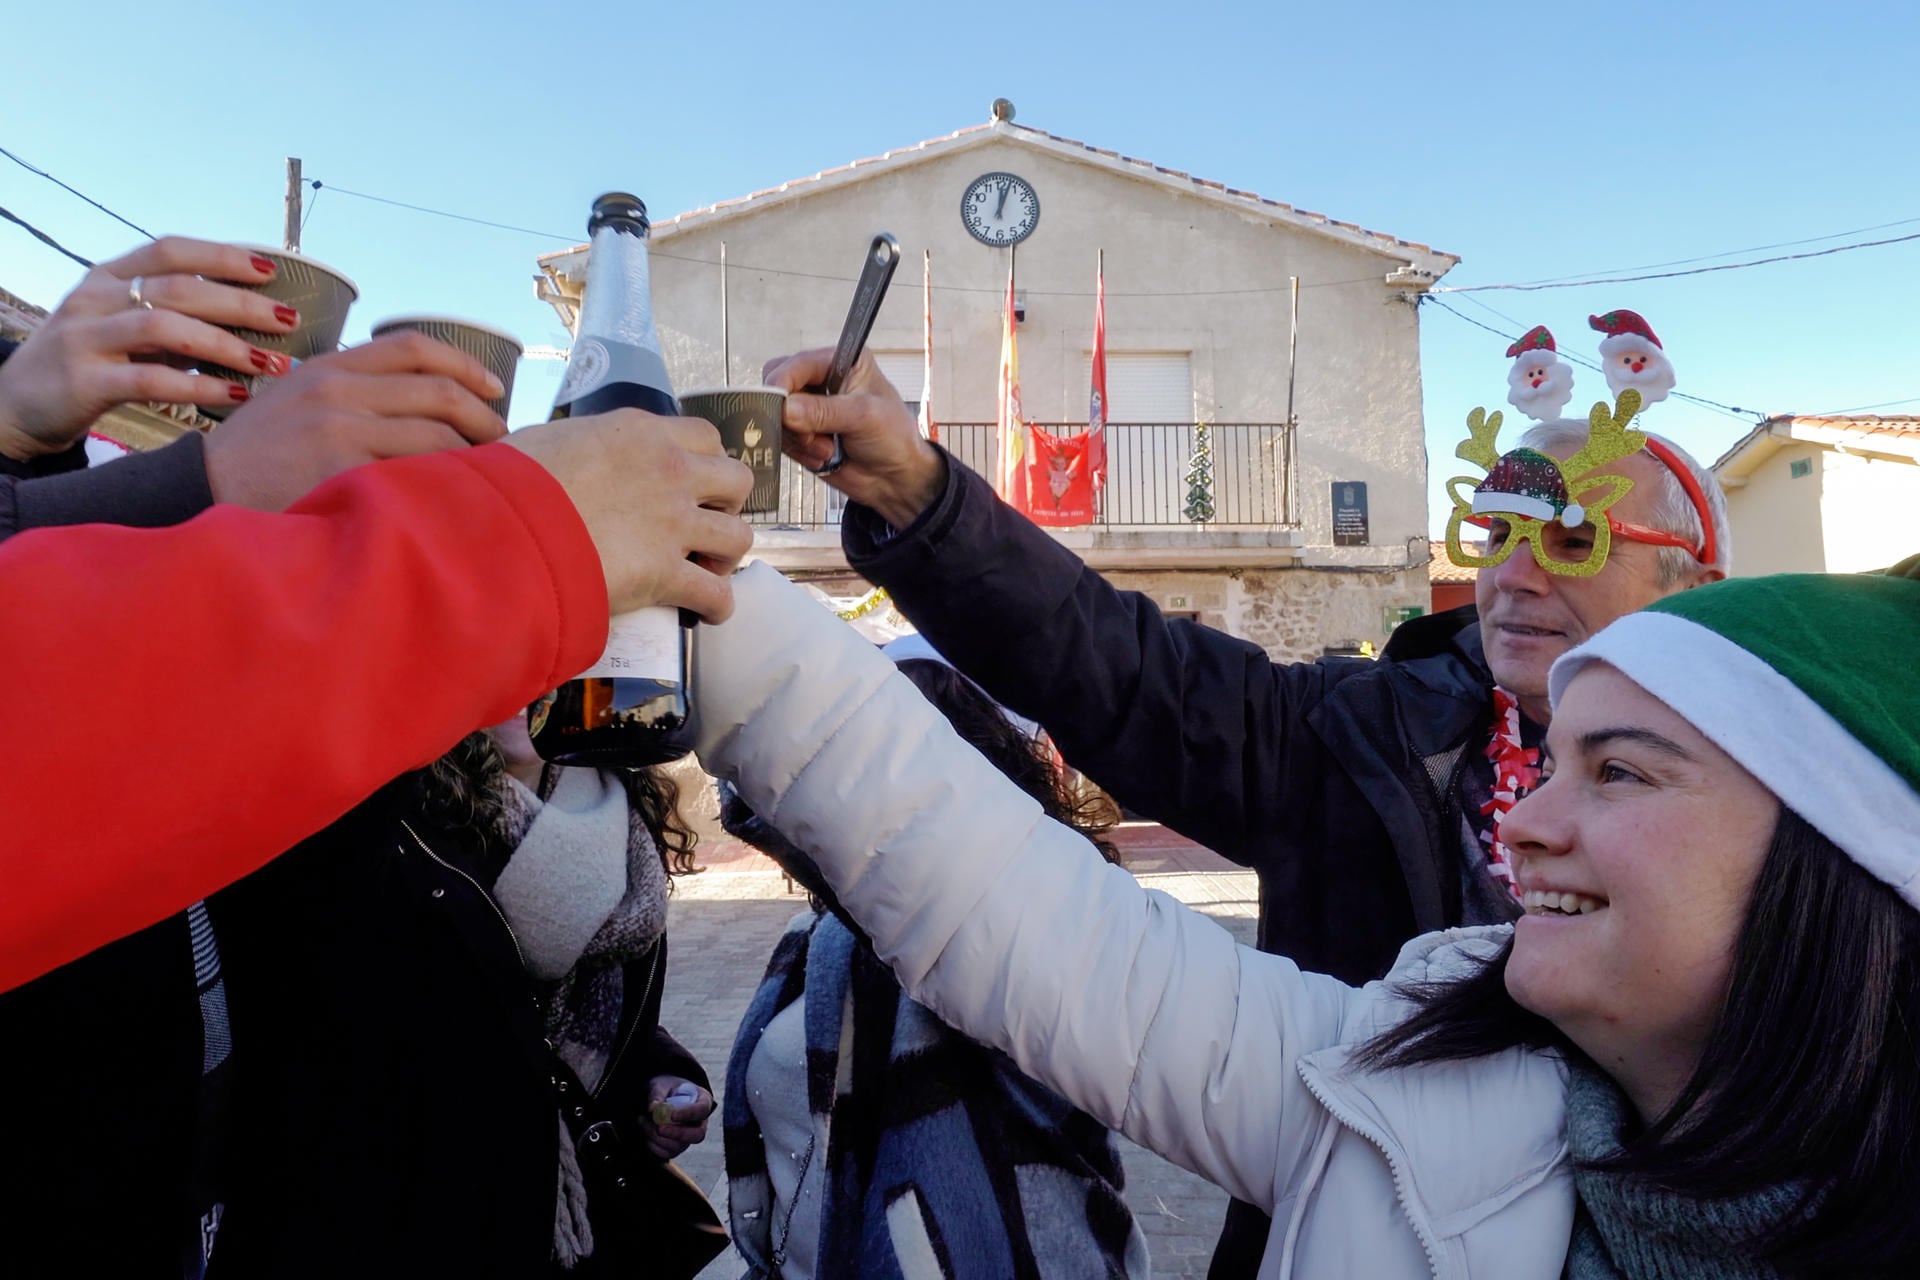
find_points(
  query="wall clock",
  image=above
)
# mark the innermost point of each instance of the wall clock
(1000, 208)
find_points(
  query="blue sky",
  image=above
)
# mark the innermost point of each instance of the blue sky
(1534, 142)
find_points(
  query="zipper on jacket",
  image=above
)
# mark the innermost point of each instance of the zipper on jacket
(505, 923)
(1400, 1187)
(646, 993)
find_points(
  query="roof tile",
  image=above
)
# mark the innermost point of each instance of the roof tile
(1237, 192)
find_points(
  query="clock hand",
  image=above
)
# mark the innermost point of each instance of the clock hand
(1001, 208)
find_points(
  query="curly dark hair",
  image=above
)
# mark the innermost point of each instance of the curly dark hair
(461, 792)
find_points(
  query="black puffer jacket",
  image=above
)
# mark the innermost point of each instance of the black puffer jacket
(397, 1108)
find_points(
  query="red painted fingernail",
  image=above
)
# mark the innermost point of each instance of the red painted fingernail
(286, 315)
(263, 265)
(262, 360)
(238, 394)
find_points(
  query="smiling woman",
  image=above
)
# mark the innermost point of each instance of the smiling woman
(1692, 1057)
(1720, 884)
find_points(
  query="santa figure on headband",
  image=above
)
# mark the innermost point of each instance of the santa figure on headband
(1632, 356)
(1540, 383)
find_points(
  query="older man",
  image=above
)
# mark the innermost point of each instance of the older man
(1366, 795)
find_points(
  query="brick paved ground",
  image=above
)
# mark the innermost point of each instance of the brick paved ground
(723, 923)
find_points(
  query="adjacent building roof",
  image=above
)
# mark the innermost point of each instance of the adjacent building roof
(18, 317)
(1423, 263)
(1441, 568)
(1893, 436)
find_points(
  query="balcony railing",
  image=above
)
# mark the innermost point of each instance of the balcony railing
(1148, 465)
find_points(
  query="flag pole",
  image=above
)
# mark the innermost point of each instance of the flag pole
(726, 353)
(1293, 425)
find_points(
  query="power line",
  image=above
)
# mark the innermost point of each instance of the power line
(83, 195)
(1671, 275)
(840, 279)
(1862, 408)
(1727, 253)
(1729, 409)
(44, 238)
(308, 215)
(457, 217)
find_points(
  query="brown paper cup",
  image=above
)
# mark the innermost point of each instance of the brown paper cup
(748, 419)
(497, 350)
(320, 294)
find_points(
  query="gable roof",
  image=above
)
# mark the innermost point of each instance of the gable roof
(1427, 263)
(1895, 436)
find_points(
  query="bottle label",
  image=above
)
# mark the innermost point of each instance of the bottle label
(593, 363)
(642, 645)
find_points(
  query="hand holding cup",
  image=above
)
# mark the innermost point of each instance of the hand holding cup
(131, 330)
(748, 420)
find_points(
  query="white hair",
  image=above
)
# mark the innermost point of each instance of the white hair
(1673, 511)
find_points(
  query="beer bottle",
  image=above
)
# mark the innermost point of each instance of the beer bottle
(630, 708)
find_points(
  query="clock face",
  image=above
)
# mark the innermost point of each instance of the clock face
(1000, 208)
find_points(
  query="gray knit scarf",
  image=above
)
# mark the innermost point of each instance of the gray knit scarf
(586, 892)
(1626, 1230)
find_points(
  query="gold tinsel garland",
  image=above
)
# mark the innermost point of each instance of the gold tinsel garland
(864, 605)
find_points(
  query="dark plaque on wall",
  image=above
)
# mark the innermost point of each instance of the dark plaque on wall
(1349, 513)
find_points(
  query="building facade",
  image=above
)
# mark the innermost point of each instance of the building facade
(1822, 494)
(1199, 324)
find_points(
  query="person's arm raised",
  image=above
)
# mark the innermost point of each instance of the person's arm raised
(104, 345)
(889, 466)
(189, 702)
(1006, 924)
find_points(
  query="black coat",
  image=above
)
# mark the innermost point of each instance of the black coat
(393, 1108)
(1336, 781)
(397, 1097)
(98, 1087)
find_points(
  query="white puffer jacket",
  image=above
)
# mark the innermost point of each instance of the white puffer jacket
(1145, 1013)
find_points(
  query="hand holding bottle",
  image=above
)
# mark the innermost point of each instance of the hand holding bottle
(660, 498)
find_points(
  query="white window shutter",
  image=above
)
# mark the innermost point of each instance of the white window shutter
(906, 370)
(1142, 386)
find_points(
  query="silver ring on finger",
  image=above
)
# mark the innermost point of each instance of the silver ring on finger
(134, 298)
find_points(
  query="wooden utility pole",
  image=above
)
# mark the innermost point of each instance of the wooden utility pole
(293, 204)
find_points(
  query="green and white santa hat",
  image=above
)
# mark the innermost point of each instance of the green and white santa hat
(1811, 682)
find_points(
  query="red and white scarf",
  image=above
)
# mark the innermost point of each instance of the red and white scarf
(1516, 771)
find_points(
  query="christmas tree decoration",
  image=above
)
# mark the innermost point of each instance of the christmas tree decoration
(1199, 508)
(1540, 383)
(1632, 356)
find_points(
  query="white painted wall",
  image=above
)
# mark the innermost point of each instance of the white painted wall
(1358, 385)
(1867, 509)
(1776, 518)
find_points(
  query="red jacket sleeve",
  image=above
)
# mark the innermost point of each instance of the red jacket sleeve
(191, 702)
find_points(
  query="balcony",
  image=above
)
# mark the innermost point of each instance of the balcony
(1147, 468)
(1142, 518)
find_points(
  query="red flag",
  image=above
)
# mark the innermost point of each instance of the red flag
(928, 427)
(1097, 394)
(1012, 435)
(1060, 479)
